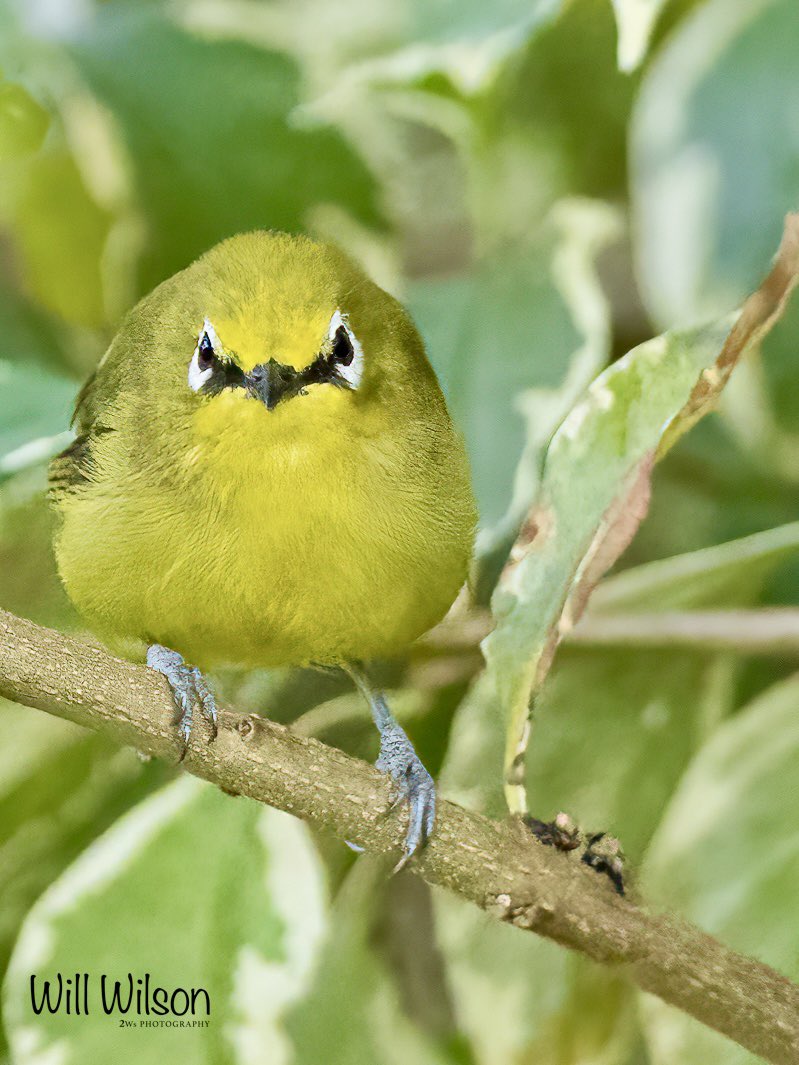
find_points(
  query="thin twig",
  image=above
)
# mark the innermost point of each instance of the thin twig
(760, 631)
(497, 865)
(770, 631)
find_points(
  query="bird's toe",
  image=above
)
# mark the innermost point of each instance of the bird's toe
(206, 699)
(417, 788)
(188, 688)
(422, 804)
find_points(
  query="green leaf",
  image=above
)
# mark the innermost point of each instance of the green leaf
(724, 575)
(636, 20)
(472, 20)
(386, 41)
(635, 701)
(352, 1014)
(59, 232)
(23, 121)
(235, 903)
(35, 411)
(522, 998)
(709, 489)
(28, 577)
(28, 335)
(514, 341)
(210, 135)
(726, 858)
(595, 491)
(715, 156)
(776, 430)
(614, 732)
(514, 161)
(572, 142)
(60, 786)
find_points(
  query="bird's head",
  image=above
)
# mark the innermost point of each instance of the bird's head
(270, 337)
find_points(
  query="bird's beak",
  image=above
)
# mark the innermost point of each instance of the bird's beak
(272, 381)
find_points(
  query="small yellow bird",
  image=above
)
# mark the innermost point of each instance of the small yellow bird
(265, 474)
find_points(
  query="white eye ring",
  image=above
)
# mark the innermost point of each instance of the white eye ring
(198, 377)
(353, 373)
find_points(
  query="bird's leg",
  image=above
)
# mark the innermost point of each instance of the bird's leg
(188, 687)
(400, 761)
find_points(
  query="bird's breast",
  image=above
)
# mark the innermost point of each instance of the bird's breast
(277, 547)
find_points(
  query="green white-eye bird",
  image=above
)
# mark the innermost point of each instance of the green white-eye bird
(265, 474)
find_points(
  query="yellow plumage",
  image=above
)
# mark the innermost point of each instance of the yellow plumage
(336, 526)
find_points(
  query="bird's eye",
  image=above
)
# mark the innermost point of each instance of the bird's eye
(204, 361)
(343, 351)
(205, 353)
(346, 353)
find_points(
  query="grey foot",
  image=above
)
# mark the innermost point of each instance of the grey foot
(188, 687)
(415, 785)
(399, 760)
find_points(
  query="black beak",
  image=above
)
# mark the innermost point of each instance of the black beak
(272, 381)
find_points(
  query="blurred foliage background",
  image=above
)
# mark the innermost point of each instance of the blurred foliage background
(546, 184)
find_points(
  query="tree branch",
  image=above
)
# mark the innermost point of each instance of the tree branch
(497, 865)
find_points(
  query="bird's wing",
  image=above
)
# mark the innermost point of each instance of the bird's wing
(72, 467)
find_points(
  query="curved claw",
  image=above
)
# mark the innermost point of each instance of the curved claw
(421, 798)
(206, 699)
(188, 687)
